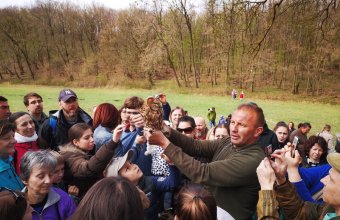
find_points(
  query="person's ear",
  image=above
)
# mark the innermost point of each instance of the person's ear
(60, 105)
(24, 182)
(258, 131)
(75, 142)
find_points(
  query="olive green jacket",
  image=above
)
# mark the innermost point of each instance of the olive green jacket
(230, 176)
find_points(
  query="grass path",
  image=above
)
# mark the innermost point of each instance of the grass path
(195, 104)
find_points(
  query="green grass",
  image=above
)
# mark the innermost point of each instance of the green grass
(196, 104)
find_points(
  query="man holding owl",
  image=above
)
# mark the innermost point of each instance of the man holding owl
(231, 174)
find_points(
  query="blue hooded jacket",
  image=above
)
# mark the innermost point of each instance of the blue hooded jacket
(8, 176)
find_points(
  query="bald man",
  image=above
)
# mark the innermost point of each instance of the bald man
(201, 129)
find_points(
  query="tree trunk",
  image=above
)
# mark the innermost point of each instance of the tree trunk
(192, 50)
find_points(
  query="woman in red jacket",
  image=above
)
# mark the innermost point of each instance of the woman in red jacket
(25, 135)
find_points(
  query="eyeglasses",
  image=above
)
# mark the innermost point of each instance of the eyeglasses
(185, 130)
(14, 193)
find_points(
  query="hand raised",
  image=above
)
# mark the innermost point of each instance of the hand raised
(292, 162)
(266, 175)
(140, 140)
(73, 190)
(156, 138)
(279, 165)
(117, 133)
(137, 120)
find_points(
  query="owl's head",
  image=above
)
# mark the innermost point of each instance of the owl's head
(154, 103)
(152, 111)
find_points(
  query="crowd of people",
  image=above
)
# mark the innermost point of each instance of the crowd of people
(66, 165)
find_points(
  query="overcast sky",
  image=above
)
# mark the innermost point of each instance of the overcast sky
(115, 4)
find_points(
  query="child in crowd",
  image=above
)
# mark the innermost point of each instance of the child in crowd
(58, 175)
(152, 186)
(159, 167)
(196, 202)
(82, 169)
(241, 95)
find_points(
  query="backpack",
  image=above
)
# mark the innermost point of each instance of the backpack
(53, 125)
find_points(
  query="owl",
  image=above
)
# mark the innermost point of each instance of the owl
(152, 112)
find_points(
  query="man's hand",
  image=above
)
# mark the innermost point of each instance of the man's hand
(166, 130)
(137, 120)
(167, 159)
(117, 133)
(156, 138)
(279, 165)
(140, 140)
(266, 175)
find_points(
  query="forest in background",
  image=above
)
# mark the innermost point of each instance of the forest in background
(291, 46)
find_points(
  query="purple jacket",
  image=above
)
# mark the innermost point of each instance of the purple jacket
(59, 206)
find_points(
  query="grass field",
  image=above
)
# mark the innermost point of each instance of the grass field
(195, 104)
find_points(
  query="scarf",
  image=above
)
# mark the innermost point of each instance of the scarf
(312, 164)
(23, 139)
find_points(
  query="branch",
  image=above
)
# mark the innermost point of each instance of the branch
(325, 10)
(259, 44)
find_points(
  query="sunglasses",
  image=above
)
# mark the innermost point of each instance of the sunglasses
(14, 193)
(185, 130)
